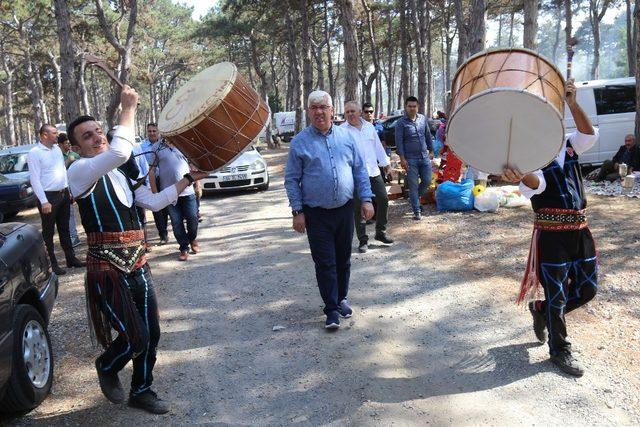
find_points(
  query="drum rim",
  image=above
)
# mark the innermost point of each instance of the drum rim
(496, 50)
(538, 97)
(194, 122)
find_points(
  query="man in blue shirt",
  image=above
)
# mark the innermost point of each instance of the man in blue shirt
(148, 146)
(324, 172)
(415, 148)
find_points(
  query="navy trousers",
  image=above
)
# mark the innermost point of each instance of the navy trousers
(330, 233)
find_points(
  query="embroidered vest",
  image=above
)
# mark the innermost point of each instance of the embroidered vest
(564, 185)
(102, 211)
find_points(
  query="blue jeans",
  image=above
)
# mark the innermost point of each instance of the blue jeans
(418, 169)
(185, 210)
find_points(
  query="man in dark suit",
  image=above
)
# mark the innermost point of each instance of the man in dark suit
(629, 154)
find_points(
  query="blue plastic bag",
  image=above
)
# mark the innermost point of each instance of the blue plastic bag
(451, 196)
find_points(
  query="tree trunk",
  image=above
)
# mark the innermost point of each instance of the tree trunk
(463, 33)
(500, 19)
(418, 24)
(95, 95)
(348, 22)
(33, 92)
(477, 31)
(404, 52)
(264, 82)
(71, 102)
(511, 22)
(307, 70)
(391, 59)
(327, 41)
(595, 17)
(82, 86)
(530, 24)
(8, 98)
(296, 89)
(57, 88)
(631, 60)
(41, 97)
(374, 53)
(556, 40)
(568, 28)
(636, 15)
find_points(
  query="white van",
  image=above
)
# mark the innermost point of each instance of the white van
(611, 106)
(285, 124)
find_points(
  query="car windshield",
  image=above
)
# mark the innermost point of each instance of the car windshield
(11, 163)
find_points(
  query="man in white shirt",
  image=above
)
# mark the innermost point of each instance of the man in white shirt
(148, 147)
(119, 285)
(562, 257)
(48, 176)
(374, 156)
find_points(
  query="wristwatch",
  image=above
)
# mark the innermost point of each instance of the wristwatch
(189, 177)
(295, 212)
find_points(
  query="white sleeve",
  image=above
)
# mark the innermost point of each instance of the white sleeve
(155, 201)
(85, 172)
(381, 155)
(34, 176)
(530, 192)
(581, 142)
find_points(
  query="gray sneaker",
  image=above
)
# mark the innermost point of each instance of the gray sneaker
(333, 320)
(344, 310)
(363, 248)
(417, 216)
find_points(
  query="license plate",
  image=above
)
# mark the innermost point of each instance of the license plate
(234, 177)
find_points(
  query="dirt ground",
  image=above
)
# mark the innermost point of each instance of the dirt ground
(435, 338)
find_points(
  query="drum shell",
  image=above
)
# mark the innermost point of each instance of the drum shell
(225, 131)
(508, 68)
(527, 132)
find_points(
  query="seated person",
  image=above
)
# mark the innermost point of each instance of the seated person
(629, 154)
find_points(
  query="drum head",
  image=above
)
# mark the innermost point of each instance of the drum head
(500, 127)
(196, 98)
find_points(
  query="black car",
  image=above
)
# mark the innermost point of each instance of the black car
(15, 195)
(28, 290)
(389, 127)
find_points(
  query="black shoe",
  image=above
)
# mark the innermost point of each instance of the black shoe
(110, 385)
(383, 238)
(417, 216)
(363, 247)
(344, 310)
(164, 241)
(148, 401)
(369, 222)
(75, 262)
(567, 364)
(58, 270)
(333, 320)
(539, 323)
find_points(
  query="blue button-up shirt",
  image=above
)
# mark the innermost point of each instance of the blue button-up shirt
(413, 137)
(325, 170)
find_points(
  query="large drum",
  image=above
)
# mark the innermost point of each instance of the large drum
(507, 108)
(214, 117)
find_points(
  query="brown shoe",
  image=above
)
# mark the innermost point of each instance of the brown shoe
(183, 255)
(195, 247)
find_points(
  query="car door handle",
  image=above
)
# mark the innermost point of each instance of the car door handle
(20, 237)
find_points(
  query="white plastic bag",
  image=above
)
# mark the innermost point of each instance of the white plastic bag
(487, 201)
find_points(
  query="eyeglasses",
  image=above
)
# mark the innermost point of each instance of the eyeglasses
(368, 111)
(319, 107)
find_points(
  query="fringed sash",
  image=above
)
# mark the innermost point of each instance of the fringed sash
(547, 219)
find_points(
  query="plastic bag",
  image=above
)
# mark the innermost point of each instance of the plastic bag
(487, 201)
(451, 196)
(514, 200)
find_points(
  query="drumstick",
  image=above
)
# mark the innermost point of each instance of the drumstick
(99, 62)
(570, 44)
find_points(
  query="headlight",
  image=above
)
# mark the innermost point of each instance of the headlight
(257, 166)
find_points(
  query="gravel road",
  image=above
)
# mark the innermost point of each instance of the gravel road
(435, 339)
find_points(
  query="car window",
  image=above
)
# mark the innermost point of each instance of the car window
(615, 99)
(11, 163)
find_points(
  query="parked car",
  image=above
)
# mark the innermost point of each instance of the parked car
(15, 195)
(389, 127)
(611, 106)
(28, 289)
(13, 162)
(247, 171)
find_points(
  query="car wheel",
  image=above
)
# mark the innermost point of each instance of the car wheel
(32, 362)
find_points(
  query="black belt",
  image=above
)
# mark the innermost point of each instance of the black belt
(64, 190)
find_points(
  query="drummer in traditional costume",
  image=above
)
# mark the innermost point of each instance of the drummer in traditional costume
(563, 256)
(119, 286)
